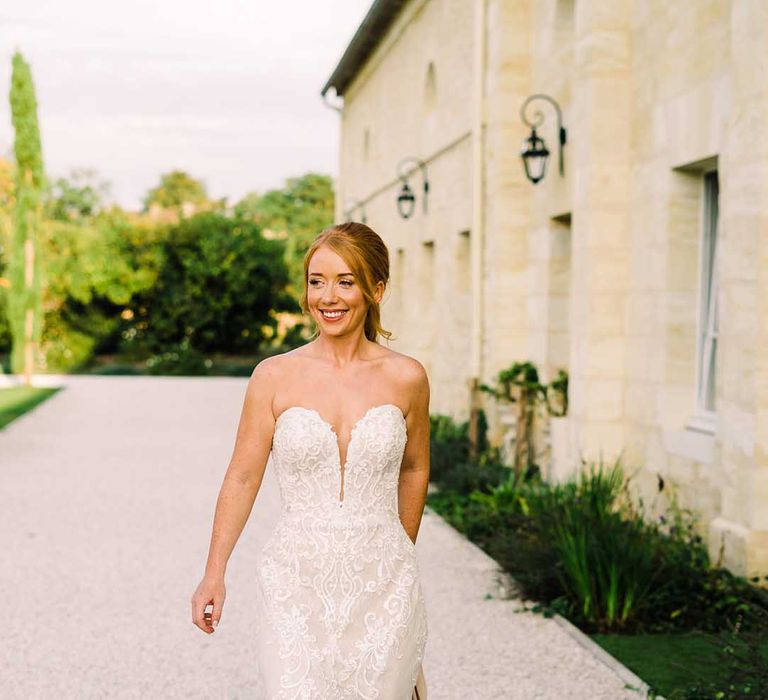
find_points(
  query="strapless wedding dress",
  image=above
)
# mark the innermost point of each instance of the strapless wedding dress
(341, 612)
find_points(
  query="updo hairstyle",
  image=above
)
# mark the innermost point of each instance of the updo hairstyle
(368, 258)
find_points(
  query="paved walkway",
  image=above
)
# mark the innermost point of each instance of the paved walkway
(108, 497)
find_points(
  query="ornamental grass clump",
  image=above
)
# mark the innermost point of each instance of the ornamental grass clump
(585, 548)
(605, 564)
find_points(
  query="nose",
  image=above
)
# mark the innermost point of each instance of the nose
(329, 294)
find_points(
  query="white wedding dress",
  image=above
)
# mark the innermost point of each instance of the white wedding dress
(341, 612)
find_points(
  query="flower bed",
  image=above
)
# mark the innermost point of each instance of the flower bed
(583, 549)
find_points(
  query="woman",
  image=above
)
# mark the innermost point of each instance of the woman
(340, 605)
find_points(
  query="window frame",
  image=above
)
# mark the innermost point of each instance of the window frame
(704, 418)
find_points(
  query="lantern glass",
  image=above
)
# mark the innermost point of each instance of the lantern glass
(406, 201)
(534, 154)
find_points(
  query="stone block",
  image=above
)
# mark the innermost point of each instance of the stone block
(743, 551)
(608, 271)
(595, 438)
(758, 498)
(606, 358)
(604, 399)
(639, 402)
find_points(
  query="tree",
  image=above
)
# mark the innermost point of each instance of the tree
(220, 282)
(78, 197)
(299, 211)
(25, 300)
(7, 192)
(176, 189)
(93, 270)
(520, 384)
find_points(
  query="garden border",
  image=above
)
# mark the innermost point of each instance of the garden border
(629, 677)
(507, 584)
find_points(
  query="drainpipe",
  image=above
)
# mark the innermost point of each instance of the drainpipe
(477, 235)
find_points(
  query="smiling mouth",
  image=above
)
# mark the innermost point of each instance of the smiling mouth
(333, 314)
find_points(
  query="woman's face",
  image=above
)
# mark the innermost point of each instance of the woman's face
(334, 297)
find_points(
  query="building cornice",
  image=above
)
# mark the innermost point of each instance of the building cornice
(368, 36)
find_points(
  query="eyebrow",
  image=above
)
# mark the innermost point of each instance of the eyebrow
(341, 274)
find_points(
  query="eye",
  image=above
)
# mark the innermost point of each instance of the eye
(314, 282)
(346, 283)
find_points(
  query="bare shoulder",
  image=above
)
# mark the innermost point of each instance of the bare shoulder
(273, 367)
(411, 375)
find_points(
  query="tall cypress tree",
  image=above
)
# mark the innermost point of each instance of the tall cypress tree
(25, 298)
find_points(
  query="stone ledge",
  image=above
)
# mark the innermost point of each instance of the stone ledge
(690, 444)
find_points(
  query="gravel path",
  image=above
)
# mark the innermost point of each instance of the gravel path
(109, 491)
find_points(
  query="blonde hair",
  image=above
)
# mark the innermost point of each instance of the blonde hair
(368, 259)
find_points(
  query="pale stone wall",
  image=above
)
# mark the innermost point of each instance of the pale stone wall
(412, 98)
(658, 92)
(597, 271)
(743, 518)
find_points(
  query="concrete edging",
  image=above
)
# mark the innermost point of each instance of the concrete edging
(631, 679)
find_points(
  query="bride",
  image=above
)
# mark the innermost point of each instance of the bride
(341, 611)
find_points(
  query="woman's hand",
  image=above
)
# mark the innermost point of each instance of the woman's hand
(210, 591)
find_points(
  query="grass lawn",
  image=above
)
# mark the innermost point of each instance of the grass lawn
(670, 661)
(17, 400)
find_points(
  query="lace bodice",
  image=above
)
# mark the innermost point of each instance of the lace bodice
(341, 610)
(307, 458)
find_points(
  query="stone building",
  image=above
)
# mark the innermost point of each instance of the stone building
(642, 270)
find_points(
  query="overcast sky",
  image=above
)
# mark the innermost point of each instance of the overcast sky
(226, 89)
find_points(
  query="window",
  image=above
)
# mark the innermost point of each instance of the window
(708, 291)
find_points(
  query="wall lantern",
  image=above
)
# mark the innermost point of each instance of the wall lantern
(534, 151)
(350, 206)
(406, 199)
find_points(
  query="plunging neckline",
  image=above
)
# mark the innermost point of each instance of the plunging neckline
(341, 468)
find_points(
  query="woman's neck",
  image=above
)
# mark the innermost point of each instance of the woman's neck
(344, 350)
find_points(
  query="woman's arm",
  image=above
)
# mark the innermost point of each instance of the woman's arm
(414, 470)
(238, 491)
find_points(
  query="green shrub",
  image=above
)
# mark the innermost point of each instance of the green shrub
(690, 594)
(746, 664)
(179, 359)
(5, 326)
(91, 273)
(219, 284)
(450, 466)
(465, 477)
(449, 444)
(584, 549)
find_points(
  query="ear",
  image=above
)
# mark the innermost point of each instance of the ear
(378, 293)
